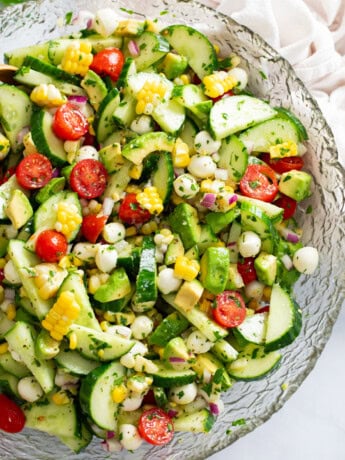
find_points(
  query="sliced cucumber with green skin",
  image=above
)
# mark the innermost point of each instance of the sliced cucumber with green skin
(5, 325)
(284, 321)
(233, 157)
(51, 70)
(171, 326)
(200, 320)
(118, 181)
(9, 384)
(45, 346)
(55, 185)
(114, 305)
(188, 133)
(233, 114)
(130, 261)
(94, 87)
(46, 215)
(74, 363)
(175, 249)
(116, 287)
(44, 138)
(99, 346)
(270, 132)
(125, 112)
(286, 114)
(129, 68)
(104, 123)
(152, 48)
(95, 394)
(166, 377)
(193, 98)
(21, 338)
(80, 442)
(146, 283)
(24, 262)
(140, 147)
(15, 113)
(160, 397)
(252, 330)
(30, 77)
(163, 177)
(170, 116)
(224, 351)
(74, 283)
(16, 57)
(275, 213)
(8, 364)
(200, 421)
(195, 46)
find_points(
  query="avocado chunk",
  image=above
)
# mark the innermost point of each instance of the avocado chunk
(214, 268)
(116, 287)
(173, 65)
(218, 221)
(19, 209)
(111, 157)
(184, 221)
(235, 280)
(266, 268)
(138, 149)
(175, 249)
(207, 238)
(189, 294)
(295, 184)
(171, 326)
(94, 87)
(176, 354)
(54, 186)
(208, 362)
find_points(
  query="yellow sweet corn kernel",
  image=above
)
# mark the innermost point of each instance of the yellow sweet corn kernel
(90, 126)
(131, 231)
(5, 146)
(61, 315)
(68, 219)
(250, 311)
(2, 262)
(151, 26)
(77, 58)
(285, 149)
(104, 326)
(94, 282)
(48, 278)
(149, 227)
(159, 350)
(3, 348)
(11, 312)
(212, 186)
(119, 393)
(185, 268)
(135, 171)
(109, 316)
(185, 79)
(180, 154)
(253, 304)
(47, 95)
(60, 398)
(133, 189)
(216, 48)
(149, 199)
(218, 83)
(266, 295)
(129, 27)
(100, 353)
(124, 318)
(73, 341)
(149, 96)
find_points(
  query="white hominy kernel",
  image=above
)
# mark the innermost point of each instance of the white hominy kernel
(129, 435)
(202, 166)
(306, 260)
(249, 244)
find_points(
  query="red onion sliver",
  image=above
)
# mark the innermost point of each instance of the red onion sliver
(292, 237)
(22, 133)
(172, 413)
(133, 48)
(176, 359)
(208, 200)
(56, 173)
(78, 99)
(214, 409)
(233, 199)
(110, 434)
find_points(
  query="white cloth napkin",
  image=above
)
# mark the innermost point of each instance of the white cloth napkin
(310, 34)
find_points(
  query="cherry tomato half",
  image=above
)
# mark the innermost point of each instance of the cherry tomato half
(7, 174)
(12, 418)
(156, 427)
(34, 171)
(51, 245)
(247, 270)
(69, 123)
(131, 212)
(288, 204)
(230, 309)
(282, 165)
(89, 178)
(108, 62)
(92, 226)
(260, 182)
(223, 96)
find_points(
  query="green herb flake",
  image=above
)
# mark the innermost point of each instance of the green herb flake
(68, 17)
(239, 422)
(263, 75)
(309, 209)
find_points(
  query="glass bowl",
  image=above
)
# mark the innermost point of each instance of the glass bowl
(320, 296)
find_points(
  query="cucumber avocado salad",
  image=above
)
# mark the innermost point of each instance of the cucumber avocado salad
(148, 245)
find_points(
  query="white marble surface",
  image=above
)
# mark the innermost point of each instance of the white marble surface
(311, 425)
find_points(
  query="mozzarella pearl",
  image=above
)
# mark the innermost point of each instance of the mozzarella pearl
(197, 343)
(142, 124)
(106, 258)
(141, 327)
(306, 260)
(114, 232)
(240, 76)
(205, 144)
(130, 437)
(202, 166)
(132, 402)
(87, 152)
(186, 186)
(183, 394)
(254, 290)
(249, 244)
(167, 281)
(11, 274)
(85, 251)
(29, 389)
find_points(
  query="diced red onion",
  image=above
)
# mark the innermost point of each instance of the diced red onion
(22, 133)
(111, 445)
(208, 200)
(83, 19)
(110, 434)
(214, 409)
(264, 309)
(108, 204)
(233, 199)
(289, 235)
(287, 262)
(133, 48)
(77, 99)
(176, 359)
(56, 172)
(231, 244)
(172, 413)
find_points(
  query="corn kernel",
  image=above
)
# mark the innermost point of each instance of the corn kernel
(104, 326)
(266, 295)
(61, 315)
(180, 154)
(218, 83)
(176, 199)
(73, 341)
(253, 304)
(68, 219)
(149, 96)
(285, 149)
(185, 79)
(149, 227)
(2, 262)
(216, 48)
(60, 398)
(159, 350)
(119, 393)
(186, 269)
(100, 353)
(93, 284)
(135, 171)
(149, 199)
(131, 231)
(46, 95)
(109, 316)
(133, 189)
(3, 348)
(77, 58)
(11, 312)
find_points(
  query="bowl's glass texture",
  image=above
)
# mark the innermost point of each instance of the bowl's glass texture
(320, 296)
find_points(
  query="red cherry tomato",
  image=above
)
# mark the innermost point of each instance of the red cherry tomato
(282, 165)
(260, 182)
(69, 123)
(288, 204)
(149, 398)
(131, 212)
(263, 309)
(51, 245)
(89, 139)
(7, 174)
(247, 270)
(34, 171)
(89, 178)
(156, 427)
(12, 418)
(230, 309)
(2, 275)
(92, 227)
(108, 62)
(218, 98)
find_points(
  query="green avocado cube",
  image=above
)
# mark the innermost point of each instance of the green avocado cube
(173, 65)
(111, 157)
(116, 287)
(214, 269)
(19, 209)
(295, 184)
(176, 354)
(184, 221)
(218, 221)
(266, 268)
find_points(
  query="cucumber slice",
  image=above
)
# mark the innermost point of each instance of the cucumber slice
(8, 364)
(55, 185)
(275, 213)
(5, 325)
(125, 112)
(258, 365)
(193, 98)
(146, 283)
(252, 330)
(44, 138)
(188, 133)
(129, 68)
(171, 326)
(200, 421)
(94, 87)
(284, 321)
(170, 116)
(21, 338)
(137, 149)
(163, 177)
(233, 114)
(104, 123)
(152, 48)
(224, 351)
(233, 157)
(195, 46)
(166, 377)
(118, 181)
(46, 215)
(95, 394)
(270, 132)
(51, 70)
(286, 114)
(73, 362)
(115, 288)
(9, 384)
(15, 113)
(16, 57)
(78, 443)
